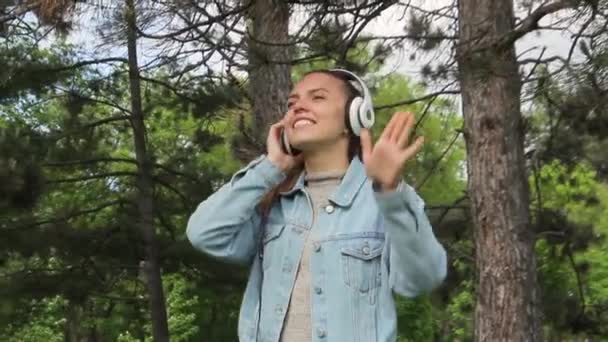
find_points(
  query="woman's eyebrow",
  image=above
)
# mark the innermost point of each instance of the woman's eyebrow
(317, 89)
(297, 96)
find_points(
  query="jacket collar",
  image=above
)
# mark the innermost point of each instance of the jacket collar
(345, 193)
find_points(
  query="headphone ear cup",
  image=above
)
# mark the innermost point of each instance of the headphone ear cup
(366, 117)
(353, 115)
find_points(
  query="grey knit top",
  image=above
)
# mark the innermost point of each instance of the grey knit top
(297, 326)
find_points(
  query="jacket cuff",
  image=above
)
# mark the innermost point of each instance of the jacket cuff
(264, 168)
(404, 197)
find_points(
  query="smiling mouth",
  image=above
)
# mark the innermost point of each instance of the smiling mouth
(303, 123)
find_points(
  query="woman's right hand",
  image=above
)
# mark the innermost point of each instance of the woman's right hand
(276, 155)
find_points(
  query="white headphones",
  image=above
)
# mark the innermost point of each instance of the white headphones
(360, 111)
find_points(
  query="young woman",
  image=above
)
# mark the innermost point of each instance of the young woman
(331, 232)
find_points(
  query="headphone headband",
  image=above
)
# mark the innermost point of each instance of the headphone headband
(359, 84)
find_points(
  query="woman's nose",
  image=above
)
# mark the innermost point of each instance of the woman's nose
(298, 106)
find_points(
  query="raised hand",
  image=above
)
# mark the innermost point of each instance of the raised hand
(384, 161)
(275, 153)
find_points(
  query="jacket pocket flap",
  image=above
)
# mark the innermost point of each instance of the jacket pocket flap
(363, 252)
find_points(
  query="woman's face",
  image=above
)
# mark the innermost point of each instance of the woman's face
(316, 110)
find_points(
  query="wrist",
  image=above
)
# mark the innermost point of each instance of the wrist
(278, 162)
(384, 187)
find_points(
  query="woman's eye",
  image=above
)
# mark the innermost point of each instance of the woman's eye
(318, 97)
(289, 105)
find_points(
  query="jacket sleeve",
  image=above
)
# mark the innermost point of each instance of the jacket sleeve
(417, 262)
(226, 225)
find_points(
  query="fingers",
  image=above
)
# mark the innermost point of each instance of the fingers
(273, 141)
(366, 144)
(275, 126)
(402, 120)
(413, 148)
(278, 124)
(388, 130)
(275, 129)
(404, 135)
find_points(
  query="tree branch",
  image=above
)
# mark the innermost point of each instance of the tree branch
(445, 152)
(106, 120)
(357, 30)
(89, 161)
(118, 160)
(17, 12)
(72, 215)
(90, 177)
(85, 63)
(530, 23)
(418, 99)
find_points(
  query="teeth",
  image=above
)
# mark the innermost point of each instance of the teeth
(303, 122)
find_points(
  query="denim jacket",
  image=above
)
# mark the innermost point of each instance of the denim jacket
(369, 244)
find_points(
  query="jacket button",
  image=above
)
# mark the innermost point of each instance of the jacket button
(318, 290)
(321, 332)
(329, 209)
(366, 250)
(317, 246)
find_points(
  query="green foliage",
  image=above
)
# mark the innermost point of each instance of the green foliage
(417, 319)
(27, 68)
(21, 179)
(45, 323)
(566, 188)
(438, 177)
(571, 258)
(460, 312)
(181, 306)
(78, 241)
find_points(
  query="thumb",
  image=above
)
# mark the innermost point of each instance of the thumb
(366, 144)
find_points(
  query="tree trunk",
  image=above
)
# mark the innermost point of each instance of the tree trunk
(145, 200)
(269, 65)
(507, 294)
(72, 322)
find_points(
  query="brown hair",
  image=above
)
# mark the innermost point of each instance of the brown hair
(354, 145)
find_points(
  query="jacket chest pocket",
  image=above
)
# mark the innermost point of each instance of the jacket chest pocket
(271, 244)
(361, 263)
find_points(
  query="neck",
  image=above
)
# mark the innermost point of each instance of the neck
(328, 158)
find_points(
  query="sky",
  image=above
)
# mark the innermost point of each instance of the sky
(391, 22)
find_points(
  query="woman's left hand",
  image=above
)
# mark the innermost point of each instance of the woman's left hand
(384, 160)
